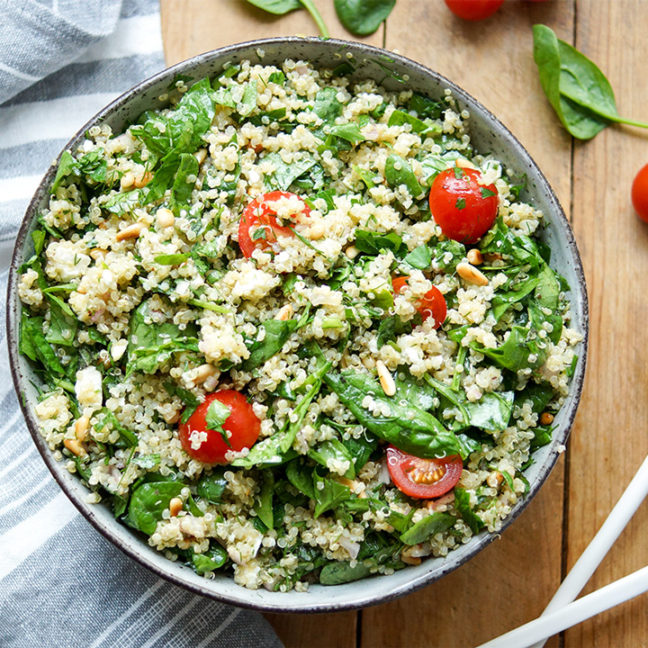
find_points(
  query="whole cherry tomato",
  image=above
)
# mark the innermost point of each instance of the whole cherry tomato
(209, 446)
(474, 9)
(258, 227)
(433, 303)
(463, 208)
(640, 193)
(423, 478)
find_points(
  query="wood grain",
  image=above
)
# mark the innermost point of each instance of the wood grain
(511, 581)
(610, 441)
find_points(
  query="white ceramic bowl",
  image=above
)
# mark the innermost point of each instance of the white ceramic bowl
(488, 135)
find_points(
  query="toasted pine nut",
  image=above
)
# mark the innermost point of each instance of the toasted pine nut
(143, 179)
(164, 217)
(464, 164)
(132, 231)
(546, 418)
(81, 427)
(410, 560)
(495, 479)
(75, 447)
(316, 230)
(475, 257)
(127, 180)
(175, 506)
(201, 373)
(492, 256)
(285, 313)
(470, 274)
(172, 418)
(351, 252)
(97, 254)
(386, 379)
(200, 155)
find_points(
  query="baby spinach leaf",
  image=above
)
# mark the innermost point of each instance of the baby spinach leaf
(375, 242)
(337, 573)
(282, 7)
(349, 132)
(149, 501)
(328, 494)
(184, 179)
(214, 558)
(420, 257)
(462, 504)
(360, 449)
(212, 487)
(263, 505)
(576, 88)
(400, 117)
(66, 166)
(248, 100)
(62, 325)
(301, 477)
(147, 462)
(399, 172)
(406, 426)
(492, 411)
(447, 254)
(425, 107)
(519, 351)
(34, 345)
(538, 394)
(277, 333)
(285, 174)
(327, 106)
(428, 526)
(363, 17)
(266, 453)
(333, 449)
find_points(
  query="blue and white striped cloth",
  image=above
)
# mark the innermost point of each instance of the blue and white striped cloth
(61, 583)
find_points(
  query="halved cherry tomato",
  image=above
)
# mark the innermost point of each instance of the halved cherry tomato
(464, 209)
(640, 193)
(423, 478)
(433, 303)
(259, 216)
(242, 423)
(474, 9)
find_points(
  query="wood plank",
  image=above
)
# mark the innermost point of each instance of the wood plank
(190, 27)
(510, 582)
(316, 630)
(610, 440)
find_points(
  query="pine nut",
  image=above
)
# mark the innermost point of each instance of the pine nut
(164, 217)
(201, 373)
(495, 479)
(351, 252)
(200, 155)
(81, 427)
(316, 230)
(470, 274)
(285, 313)
(475, 257)
(132, 231)
(75, 447)
(97, 254)
(386, 379)
(127, 180)
(175, 506)
(410, 560)
(143, 179)
(546, 418)
(464, 164)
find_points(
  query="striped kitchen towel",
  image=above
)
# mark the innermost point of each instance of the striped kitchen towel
(61, 583)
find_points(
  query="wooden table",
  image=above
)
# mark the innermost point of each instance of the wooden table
(510, 582)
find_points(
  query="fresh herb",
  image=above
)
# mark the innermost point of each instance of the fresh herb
(462, 504)
(171, 259)
(376, 242)
(399, 172)
(149, 501)
(363, 17)
(427, 527)
(460, 203)
(217, 414)
(214, 558)
(576, 88)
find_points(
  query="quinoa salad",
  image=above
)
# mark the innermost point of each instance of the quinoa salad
(293, 328)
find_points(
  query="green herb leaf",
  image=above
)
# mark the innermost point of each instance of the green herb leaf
(462, 504)
(363, 17)
(171, 259)
(214, 558)
(460, 203)
(399, 172)
(428, 526)
(149, 501)
(217, 414)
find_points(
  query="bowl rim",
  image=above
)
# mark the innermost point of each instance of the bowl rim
(246, 599)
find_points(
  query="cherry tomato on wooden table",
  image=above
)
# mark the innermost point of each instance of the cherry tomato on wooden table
(474, 9)
(463, 208)
(423, 478)
(433, 303)
(208, 446)
(258, 227)
(640, 193)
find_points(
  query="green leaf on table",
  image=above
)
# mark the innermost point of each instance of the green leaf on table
(363, 17)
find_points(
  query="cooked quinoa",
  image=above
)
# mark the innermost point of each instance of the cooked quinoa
(139, 301)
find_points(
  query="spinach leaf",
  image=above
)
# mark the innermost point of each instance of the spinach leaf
(538, 394)
(147, 462)
(285, 174)
(263, 505)
(266, 453)
(335, 450)
(349, 132)
(171, 259)
(92, 165)
(363, 17)
(338, 572)
(375, 242)
(248, 100)
(66, 166)
(301, 477)
(277, 333)
(399, 172)
(360, 449)
(492, 412)
(576, 88)
(34, 345)
(214, 558)
(150, 344)
(420, 257)
(447, 254)
(190, 401)
(149, 501)
(428, 526)
(328, 494)
(127, 437)
(212, 487)
(400, 117)
(519, 351)
(281, 7)
(462, 504)
(184, 179)
(326, 105)
(409, 428)
(425, 107)
(62, 325)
